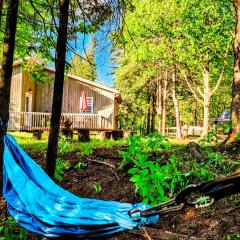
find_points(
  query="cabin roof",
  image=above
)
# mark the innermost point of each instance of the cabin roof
(79, 79)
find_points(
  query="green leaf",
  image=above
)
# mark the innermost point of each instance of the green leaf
(160, 190)
(133, 170)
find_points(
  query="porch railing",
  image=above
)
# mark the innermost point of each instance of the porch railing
(41, 121)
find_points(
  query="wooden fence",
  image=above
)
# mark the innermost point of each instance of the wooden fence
(185, 131)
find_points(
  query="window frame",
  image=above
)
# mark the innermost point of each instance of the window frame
(91, 105)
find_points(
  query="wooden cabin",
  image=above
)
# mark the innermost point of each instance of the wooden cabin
(31, 103)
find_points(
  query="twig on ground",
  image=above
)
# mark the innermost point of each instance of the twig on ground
(146, 234)
(101, 162)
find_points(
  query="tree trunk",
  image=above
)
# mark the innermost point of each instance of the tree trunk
(58, 88)
(153, 112)
(206, 101)
(235, 106)
(159, 105)
(6, 75)
(195, 117)
(148, 121)
(205, 119)
(176, 106)
(164, 104)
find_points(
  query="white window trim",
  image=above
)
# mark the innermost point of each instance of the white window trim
(91, 107)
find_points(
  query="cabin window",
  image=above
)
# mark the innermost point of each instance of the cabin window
(89, 105)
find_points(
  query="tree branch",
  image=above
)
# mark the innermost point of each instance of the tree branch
(223, 70)
(189, 85)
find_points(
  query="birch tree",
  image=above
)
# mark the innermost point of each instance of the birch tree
(204, 49)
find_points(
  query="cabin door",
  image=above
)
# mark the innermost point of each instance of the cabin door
(28, 109)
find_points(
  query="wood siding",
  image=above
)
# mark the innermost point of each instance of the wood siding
(15, 99)
(27, 85)
(103, 101)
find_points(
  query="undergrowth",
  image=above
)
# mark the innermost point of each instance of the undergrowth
(160, 170)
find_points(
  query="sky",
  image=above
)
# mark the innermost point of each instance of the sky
(103, 54)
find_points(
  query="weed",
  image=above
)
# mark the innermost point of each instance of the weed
(152, 180)
(139, 147)
(9, 229)
(61, 166)
(64, 146)
(80, 165)
(238, 136)
(97, 187)
(86, 151)
(231, 237)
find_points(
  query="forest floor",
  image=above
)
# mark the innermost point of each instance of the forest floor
(101, 179)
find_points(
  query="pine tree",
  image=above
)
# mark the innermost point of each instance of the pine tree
(86, 67)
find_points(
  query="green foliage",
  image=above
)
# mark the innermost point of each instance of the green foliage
(61, 167)
(238, 136)
(213, 135)
(160, 35)
(152, 179)
(82, 148)
(97, 187)
(233, 236)
(9, 229)
(154, 182)
(85, 151)
(85, 66)
(80, 165)
(139, 147)
(36, 71)
(64, 146)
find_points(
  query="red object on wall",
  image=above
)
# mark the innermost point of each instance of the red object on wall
(84, 105)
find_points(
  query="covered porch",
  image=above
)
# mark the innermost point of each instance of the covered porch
(31, 121)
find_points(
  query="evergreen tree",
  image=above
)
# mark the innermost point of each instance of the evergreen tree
(86, 67)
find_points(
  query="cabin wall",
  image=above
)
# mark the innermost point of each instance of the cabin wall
(103, 101)
(15, 99)
(28, 87)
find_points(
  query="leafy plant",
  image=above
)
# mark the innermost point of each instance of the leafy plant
(80, 165)
(9, 229)
(231, 237)
(61, 166)
(97, 187)
(64, 146)
(85, 151)
(238, 136)
(140, 147)
(153, 181)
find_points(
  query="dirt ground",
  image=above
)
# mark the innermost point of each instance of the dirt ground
(215, 222)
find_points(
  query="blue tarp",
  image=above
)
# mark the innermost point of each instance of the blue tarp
(42, 207)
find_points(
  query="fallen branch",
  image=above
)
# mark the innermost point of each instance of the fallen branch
(101, 162)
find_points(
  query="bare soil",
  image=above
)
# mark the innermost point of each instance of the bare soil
(215, 222)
